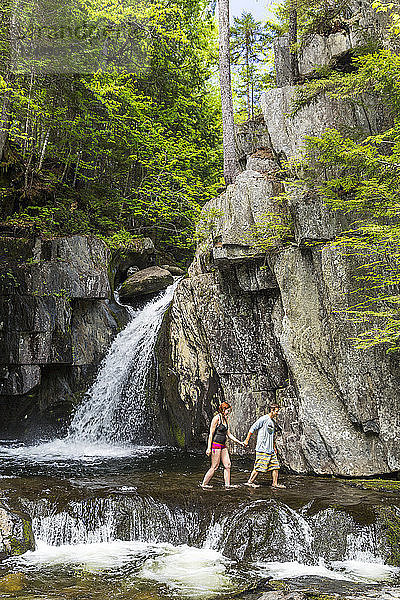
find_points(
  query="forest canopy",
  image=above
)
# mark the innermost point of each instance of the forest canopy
(124, 142)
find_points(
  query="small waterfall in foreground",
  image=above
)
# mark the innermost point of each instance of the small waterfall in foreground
(266, 531)
(114, 408)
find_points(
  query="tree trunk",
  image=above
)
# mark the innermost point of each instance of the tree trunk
(5, 112)
(249, 104)
(231, 165)
(45, 142)
(294, 57)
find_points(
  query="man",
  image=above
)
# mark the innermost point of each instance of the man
(266, 459)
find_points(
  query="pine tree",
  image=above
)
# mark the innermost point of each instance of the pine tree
(250, 44)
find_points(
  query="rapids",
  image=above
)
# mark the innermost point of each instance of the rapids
(116, 516)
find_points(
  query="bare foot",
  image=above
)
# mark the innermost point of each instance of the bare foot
(206, 487)
(232, 485)
(253, 485)
(279, 485)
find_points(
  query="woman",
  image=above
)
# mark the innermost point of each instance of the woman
(219, 431)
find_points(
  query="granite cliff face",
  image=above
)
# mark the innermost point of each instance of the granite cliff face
(57, 320)
(251, 328)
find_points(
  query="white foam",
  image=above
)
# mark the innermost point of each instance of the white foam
(193, 572)
(347, 570)
(67, 448)
(371, 572)
(289, 570)
(99, 556)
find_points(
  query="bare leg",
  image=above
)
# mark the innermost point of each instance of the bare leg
(252, 478)
(226, 461)
(275, 483)
(215, 460)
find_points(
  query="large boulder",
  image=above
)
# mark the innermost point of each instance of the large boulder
(16, 535)
(259, 327)
(57, 320)
(288, 130)
(250, 136)
(145, 282)
(173, 269)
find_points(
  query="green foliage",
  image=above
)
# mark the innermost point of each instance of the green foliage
(273, 230)
(206, 224)
(362, 180)
(251, 53)
(393, 9)
(135, 148)
(121, 240)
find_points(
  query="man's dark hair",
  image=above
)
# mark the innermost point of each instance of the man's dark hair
(272, 406)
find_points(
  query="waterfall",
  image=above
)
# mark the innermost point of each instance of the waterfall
(202, 554)
(114, 409)
(97, 520)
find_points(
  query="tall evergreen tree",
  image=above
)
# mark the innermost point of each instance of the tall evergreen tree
(250, 43)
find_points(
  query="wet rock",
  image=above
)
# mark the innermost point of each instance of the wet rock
(145, 282)
(13, 582)
(16, 536)
(55, 309)
(18, 380)
(283, 595)
(174, 270)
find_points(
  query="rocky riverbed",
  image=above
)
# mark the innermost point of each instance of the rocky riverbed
(139, 526)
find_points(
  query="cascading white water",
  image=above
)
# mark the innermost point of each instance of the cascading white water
(114, 408)
(170, 541)
(111, 421)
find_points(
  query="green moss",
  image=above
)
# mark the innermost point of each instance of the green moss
(390, 522)
(15, 249)
(179, 435)
(381, 485)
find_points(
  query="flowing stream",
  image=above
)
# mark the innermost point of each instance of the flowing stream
(115, 516)
(180, 544)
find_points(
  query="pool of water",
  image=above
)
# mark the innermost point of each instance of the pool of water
(133, 523)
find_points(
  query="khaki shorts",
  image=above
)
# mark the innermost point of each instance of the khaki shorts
(266, 462)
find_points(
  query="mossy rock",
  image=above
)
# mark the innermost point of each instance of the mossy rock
(379, 485)
(13, 582)
(16, 535)
(389, 521)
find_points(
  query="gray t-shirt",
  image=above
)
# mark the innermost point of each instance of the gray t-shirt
(265, 436)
